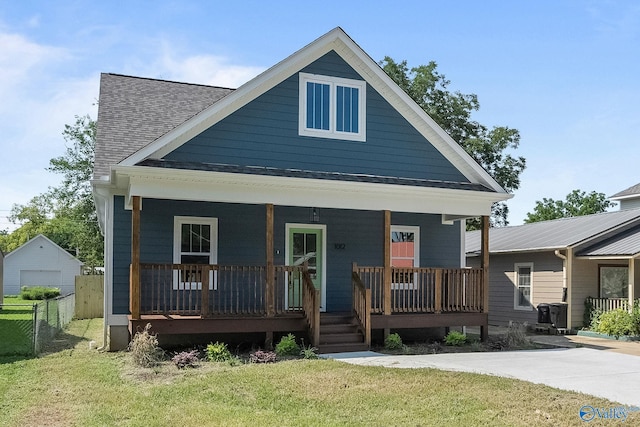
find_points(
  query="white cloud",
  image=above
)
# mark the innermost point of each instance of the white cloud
(204, 69)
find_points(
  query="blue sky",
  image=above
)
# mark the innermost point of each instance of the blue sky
(564, 73)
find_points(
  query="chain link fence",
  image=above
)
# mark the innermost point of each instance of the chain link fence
(26, 328)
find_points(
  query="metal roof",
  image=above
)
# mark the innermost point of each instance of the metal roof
(621, 244)
(550, 235)
(135, 111)
(299, 173)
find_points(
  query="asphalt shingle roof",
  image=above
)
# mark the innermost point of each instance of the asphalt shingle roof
(135, 111)
(548, 235)
(631, 191)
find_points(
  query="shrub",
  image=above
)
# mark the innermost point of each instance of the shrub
(393, 342)
(261, 356)
(38, 293)
(186, 359)
(595, 319)
(288, 346)
(309, 352)
(218, 352)
(516, 335)
(455, 338)
(145, 349)
(617, 323)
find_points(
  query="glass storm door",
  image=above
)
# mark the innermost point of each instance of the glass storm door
(305, 245)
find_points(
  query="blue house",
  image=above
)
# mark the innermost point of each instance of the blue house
(317, 198)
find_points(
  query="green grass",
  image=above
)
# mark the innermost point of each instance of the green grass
(75, 386)
(16, 325)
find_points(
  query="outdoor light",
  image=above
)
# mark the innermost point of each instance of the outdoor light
(314, 215)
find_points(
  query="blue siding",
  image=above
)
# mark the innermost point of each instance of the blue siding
(265, 133)
(352, 236)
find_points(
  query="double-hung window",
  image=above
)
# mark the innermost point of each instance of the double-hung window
(523, 286)
(332, 107)
(195, 243)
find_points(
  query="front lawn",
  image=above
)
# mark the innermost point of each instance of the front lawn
(76, 386)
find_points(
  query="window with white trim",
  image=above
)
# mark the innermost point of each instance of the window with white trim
(332, 107)
(405, 253)
(523, 281)
(195, 242)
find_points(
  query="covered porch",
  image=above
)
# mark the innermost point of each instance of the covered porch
(268, 298)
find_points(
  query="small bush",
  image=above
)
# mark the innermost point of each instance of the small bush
(309, 352)
(594, 321)
(455, 338)
(617, 323)
(517, 335)
(145, 349)
(186, 359)
(393, 342)
(261, 356)
(288, 346)
(218, 352)
(33, 293)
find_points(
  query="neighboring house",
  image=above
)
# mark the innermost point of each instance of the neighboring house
(256, 209)
(629, 198)
(40, 262)
(564, 260)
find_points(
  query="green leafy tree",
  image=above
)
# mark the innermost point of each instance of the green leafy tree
(577, 203)
(491, 148)
(66, 214)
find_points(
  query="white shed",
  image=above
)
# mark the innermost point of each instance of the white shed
(40, 262)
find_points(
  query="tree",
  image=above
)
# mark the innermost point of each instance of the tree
(452, 111)
(577, 203)
(66, 214)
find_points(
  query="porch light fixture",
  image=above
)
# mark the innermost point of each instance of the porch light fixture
(314, 215)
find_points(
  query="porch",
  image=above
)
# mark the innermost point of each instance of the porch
(193, 299)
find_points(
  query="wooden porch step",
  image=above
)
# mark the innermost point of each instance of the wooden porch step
(339, 333)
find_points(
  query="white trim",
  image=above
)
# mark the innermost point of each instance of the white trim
(333, 83)
(516, 283)
(178, 221)
(323, 228)
(362, 63)
(261, 189)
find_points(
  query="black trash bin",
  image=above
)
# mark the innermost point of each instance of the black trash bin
(544, 315)
(558, 314)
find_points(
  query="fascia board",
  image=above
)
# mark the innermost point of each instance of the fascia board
(359, 60)
(259, 189)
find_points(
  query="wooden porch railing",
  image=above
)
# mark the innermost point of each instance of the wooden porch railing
(425, 290)
(362, 306)
(610, 304)
(311, 307)
(218, 290)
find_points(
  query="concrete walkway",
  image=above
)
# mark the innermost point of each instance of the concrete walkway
(601, 372)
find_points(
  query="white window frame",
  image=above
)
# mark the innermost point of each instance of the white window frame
(516, 282)
(178, 221)
(333, 83)
(416, 254)
(625, 287)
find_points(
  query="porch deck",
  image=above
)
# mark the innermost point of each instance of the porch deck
(194, 299)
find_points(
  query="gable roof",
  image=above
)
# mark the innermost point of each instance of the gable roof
(159, 141)
(625, 244)
(551, 235)
(42, 237)
(134, 111)
(632, 191)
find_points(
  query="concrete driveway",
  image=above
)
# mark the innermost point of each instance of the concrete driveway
(611, 375)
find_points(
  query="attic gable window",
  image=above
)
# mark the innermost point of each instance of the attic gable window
(332, 107)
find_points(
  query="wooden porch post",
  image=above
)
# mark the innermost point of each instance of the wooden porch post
(134, 277)
(484, 330)
(387, 263)
(270, 285)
